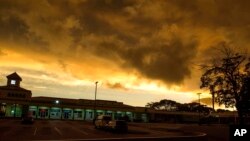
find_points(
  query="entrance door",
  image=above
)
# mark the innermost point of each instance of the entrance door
(66, 115)
(43, 113)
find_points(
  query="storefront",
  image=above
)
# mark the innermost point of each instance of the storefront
(43, 112)
(16, 102)
(78, 114)
(13, 110)
(55, 113)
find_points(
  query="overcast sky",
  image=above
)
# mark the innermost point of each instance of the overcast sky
(138, 50)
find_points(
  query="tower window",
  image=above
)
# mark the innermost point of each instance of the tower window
(13, 82)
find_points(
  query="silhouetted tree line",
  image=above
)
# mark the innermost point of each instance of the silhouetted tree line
(222, 110)
(170, 105)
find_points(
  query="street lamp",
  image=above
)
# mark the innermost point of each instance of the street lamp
(199, 106)
(57, 101)
(95, 98)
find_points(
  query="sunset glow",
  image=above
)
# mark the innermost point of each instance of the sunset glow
(140, 51)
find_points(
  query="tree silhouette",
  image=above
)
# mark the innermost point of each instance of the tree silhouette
(224, 77)
(164, 104)
(170, 105)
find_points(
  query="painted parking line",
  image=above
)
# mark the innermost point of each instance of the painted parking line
(58, 131)
(91, 128)
(35, 131)
(6, 133)
(78, 130)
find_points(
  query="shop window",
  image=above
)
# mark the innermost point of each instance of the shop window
(43, 112)
(78, 114)
(16, 95)
(90, 114)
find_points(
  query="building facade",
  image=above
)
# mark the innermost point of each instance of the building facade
(16, 101)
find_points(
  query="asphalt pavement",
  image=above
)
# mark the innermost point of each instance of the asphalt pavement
(13, 130)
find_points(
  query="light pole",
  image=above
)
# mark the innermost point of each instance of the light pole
(213, 100)
(212, 88)
(95, 98)
(199, 108)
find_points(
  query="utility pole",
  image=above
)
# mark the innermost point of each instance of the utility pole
(95, 98)
(199, 109)
(212, 88)
(213, 100)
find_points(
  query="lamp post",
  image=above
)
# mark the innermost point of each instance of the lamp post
(212, 88)
(213, 100)
(95, 98)
(199, 108)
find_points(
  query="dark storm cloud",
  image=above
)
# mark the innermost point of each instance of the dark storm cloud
(158, 39)
(116, 85)
(168, 62)
(14, 29)
(215, 13)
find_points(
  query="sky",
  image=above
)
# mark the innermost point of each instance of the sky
(139, 51)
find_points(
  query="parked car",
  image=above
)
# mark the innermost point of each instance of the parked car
(27, 119)
(101, 121)
(106, 122)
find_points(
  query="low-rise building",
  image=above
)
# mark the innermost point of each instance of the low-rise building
(16, 101)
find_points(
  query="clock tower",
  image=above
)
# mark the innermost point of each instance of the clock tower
(14, 80)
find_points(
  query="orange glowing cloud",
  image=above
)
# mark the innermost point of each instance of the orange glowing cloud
(148, 46)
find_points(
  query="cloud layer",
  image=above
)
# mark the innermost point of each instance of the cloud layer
(156, 40)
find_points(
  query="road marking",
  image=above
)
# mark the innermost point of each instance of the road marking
(79, 130)
(58, 131)
(91, 128)
(35, 131)
(7, 132)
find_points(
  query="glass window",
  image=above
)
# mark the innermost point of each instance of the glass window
(13, 82)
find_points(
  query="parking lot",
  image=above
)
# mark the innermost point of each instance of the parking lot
(82, 130)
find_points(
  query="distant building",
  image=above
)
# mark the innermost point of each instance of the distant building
(16, 101)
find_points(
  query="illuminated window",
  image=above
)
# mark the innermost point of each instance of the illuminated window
(13, 82)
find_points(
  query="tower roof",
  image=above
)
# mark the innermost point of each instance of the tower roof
(14, 76)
